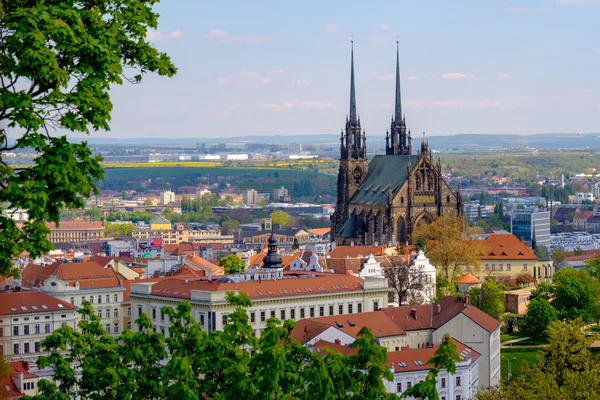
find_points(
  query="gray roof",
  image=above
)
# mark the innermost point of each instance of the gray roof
(386, 173)
(160, 220)
(348, 230)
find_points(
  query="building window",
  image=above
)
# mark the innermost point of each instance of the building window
(36, 346)
(47, 328)
(91, 299)
(26, 348)
(508, 267)
(359, 307)
(312, 312)
(458, 397)
(224, 319)
(330, 310)
(458, 381)
(72, 300)
(375, 305)
(116, 328)
(107, 298)
(501, 267)
(129, 325)
(129, 311)
(302, 313)
(82, 299)
(321, 311)
(341, 309)
(282, 315)
(293, 313)
(153, 313)
(116, 298)
(116, 313)
(487, 266)
(15, 331)
(139, 311)
(108, 328)
(262, 316)
(399, 387)
(99, 299)
(272, 313)
(36, 328)
(443, 382)
(493, 267)
(349, 308)
(408, 385)
(524, 267)
(16, 348)
(26, 330)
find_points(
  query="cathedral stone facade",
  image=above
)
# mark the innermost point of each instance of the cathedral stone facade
(381, 202)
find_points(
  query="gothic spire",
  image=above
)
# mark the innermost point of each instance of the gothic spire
(398, 109)
(352, 87)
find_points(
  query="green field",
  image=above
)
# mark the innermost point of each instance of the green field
(517, 358)
(145, 173)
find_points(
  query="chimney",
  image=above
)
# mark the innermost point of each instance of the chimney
(338, 341)
(438, 308)
(523, 239)
(413, 313)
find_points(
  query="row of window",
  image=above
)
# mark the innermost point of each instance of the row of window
(107, 313)
(115, 328)
(28, 385)
(26, 329)
(442, 385)
(27, 318)
(501, 267)
(107, 298)
(26, 348)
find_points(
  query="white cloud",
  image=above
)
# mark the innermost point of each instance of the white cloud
(376, 39)
(456, 75)
(301, 82)
(517, 9)
(385, 77)
(154, 36)
(176, 34)
(576, 2)
(503, 75)
(384, 27)
(270, 107)
(448, 103)
(317, 105)
(224, 36)
(490, 104)
(288, 105)
(598, 51)
(332, 28)
(411, 104)
(546, 9)
(245, 77)
(413, 78)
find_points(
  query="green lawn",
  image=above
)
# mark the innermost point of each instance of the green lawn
(593, 329)
(517, 359)
(509, 336)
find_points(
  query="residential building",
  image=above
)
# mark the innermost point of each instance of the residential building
(285, 237)
(27, 318)
(167, 197)
(409, 366)
(75, 283)
(475, 211)
(281, 195)
(524, 222)
(75, 231)
(160, 224)
(580, 197)
(273, 295)
(417, 327)
(516, 301)
(16, 214)
(250, 197)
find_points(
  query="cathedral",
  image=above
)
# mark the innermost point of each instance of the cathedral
(381, 202)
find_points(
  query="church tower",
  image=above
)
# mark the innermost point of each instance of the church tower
(353, 157)
(398, 142)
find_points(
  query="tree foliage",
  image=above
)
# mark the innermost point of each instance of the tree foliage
(58, 61)
(540, 314)
(232, 264)
(406, 282)
(444, 288)
(114, 230)
(450, 246)
(489, 298)
(280, 217)
(575, 295)
(193, 364)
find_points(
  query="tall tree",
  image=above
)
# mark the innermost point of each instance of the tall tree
(58, 62)
(450, 245)
(232, 264)
(282, 218)
(406, 282)
(489, 298)
(575, 295)
(539, 315)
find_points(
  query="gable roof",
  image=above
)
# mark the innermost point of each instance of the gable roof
(467, 278)
(320, 231)
(387, 173)
(160, 220)
(102, 260)
(416, 359)
(356, 251)
(29, 301)
(506, 247)
(88, 274)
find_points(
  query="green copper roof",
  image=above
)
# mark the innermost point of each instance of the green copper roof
(352, 88)
(349, 228)
(386, 173)
(398, 110)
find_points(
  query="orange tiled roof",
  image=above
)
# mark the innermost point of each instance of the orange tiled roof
(88, 274)
(320, 231)
(178, 288)
(28, 301)
(506, 247)
(127, 285)
(76, 225)
(397, 359)
(467, 278)
(356, 251)
(345, 350)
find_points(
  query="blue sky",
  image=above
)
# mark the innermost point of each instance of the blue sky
(282, 67)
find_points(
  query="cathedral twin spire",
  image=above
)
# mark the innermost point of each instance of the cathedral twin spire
(353, 144)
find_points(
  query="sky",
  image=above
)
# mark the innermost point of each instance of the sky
(283, 68)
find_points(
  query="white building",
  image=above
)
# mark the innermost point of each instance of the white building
(250, 197)
(75, 283)
(167, 197)
(580, 197)
(27, 318)
(16, 214)
(237, 157)
(276, 296)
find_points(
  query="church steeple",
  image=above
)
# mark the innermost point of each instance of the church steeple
(398, 143)
(355, 143)
(352, 87)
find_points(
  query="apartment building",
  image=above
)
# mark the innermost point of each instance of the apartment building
(75, 231)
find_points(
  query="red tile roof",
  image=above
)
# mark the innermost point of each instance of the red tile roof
(88, 274)
(404, 360)
(467, 278)
(76, 225)
(8, 389)
(506, 247)
(102, 260)
(127, 285)
(356, 251)
(345, 350)
(28, 301)
(181, 288)
(320, 231)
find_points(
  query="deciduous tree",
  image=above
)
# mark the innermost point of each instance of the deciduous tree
(575, 295)
(539, 315)
(406, 282)
(58, 62)
(232, 264)
(489, 298)
(450, 245)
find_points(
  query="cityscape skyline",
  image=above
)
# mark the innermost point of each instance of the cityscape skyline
(272, 69)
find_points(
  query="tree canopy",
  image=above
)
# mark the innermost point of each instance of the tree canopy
(540, 314)
(449, 245)
(58, 61)
(489, 298)
(232, 264)
(280, 217)
(575, 295)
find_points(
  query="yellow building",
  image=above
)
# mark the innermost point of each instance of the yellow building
(506, 257)
(160, 224)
